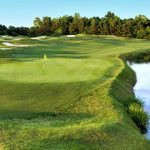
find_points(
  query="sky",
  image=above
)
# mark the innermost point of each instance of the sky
(23, 12)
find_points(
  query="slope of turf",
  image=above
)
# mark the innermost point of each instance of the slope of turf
(74, 105)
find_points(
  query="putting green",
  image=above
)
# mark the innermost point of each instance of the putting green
(55, 71)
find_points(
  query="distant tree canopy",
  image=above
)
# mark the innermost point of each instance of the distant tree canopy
(110, 24)
(14, 31)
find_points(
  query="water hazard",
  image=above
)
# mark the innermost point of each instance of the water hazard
(142, 87)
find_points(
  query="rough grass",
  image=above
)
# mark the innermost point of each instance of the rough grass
(77, 104)
(139, 116)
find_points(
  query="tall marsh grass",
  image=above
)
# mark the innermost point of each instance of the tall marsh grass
(139, 116)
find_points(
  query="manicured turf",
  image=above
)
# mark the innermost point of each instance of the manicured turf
(73, 105)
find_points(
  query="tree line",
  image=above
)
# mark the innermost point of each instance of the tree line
(110, 24)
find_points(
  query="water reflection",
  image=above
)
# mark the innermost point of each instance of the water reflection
(142, 87)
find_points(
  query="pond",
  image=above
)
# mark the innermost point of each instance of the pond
(142, 87)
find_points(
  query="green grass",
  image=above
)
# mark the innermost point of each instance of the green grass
(78, 104)
(139, 116)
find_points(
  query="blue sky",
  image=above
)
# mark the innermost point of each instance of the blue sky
(22, 12)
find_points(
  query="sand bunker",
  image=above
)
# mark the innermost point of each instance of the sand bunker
(39, 38)
(70, 36)
(4, 49)
(14, 45)
(6, 36)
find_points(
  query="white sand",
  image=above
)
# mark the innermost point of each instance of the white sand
(6, 36)
(70, 36)
(4, 49)
(14, 45)
(39, 37)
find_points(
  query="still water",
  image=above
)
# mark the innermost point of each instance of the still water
(142, 87)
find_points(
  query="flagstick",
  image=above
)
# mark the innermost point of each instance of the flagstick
(44, 61)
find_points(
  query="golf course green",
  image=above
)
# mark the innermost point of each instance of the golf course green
(78, 103)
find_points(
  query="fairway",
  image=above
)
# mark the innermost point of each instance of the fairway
(71, 105)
